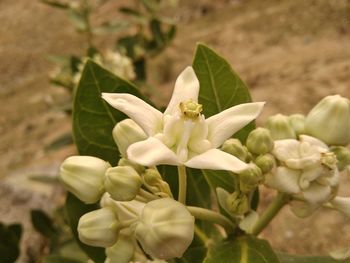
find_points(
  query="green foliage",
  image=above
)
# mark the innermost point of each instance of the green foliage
(10, 236)
(246, 249)
(59, 259)
(93, 118)
(42, 223)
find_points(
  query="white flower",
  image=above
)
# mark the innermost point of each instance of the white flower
(120, 65)
(307, 170)
(181, 135)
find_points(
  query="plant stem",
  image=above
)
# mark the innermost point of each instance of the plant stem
(182, 184)
(270, 212)
(202, 236)
(209, 215)
(88, 29)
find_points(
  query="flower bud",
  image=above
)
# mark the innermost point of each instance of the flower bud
(123, 183)
(259, 141)
(122, 251)
(343, 156)
(83, 176)
(297, 121)
(280, 127)
(237, 203)
(154, 182)
(235, 147)
(126, 133)
(166, 229)
(265, 162)
(329, 120)
(125, 162)
(250, 178)
(99, 228)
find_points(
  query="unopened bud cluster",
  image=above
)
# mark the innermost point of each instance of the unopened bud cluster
(136, 205)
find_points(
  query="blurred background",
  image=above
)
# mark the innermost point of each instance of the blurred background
(290, 54)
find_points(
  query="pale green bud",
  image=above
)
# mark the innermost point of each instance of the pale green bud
(125, 162)
(235, 147)
(126, 133)
(154, 182)
(259, 141)
(250, 178)
(280, 127)
(329, 120)
(123, 183)
(166, 229)
(122, 251)
(343, 156)
(237, 203)
(84, 177)
(99, 228)
(297, 121)
(265, 162)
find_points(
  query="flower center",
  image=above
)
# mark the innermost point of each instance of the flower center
(190, 109)
(329, 160)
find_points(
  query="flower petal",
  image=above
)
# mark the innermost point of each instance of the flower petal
(302, 209)
(226, 123)
(186, 88)
(215, 159)
(341, 204)
(286, 149)
(340, 254)
(313, 141)
(247, 224)
(147, 117)
(317, 194)
(151, 152)
(284, 180)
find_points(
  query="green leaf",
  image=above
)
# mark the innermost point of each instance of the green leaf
(9, 242)
(42, 223)
(285, 258)
(221, 88)
(75, 209)
(55, 4)
(245, 249)
(93, 118)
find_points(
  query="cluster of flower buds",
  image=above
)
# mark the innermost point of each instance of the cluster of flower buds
(310, 151)
(137, 206)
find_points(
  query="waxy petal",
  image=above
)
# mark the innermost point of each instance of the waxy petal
(317, 194)
(340, 254)
(313, 141)
(186, 88)
(341, 204)
(226, 123)
(249, 221)
(151, 152)
(215, 159)
(286, 149)
(284, 180)
(147, 117)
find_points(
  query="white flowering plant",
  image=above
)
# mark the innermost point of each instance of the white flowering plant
(183, 185)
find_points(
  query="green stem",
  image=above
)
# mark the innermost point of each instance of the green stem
(86, 16)
(182, 184)
(202, 236)
(209, 215)
(270, 212)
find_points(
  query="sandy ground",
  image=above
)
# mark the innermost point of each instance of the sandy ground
(290, 53)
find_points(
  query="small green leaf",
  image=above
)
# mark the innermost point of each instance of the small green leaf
(9, 242)
(75, 209)
(245, 249)
(285, 258)
(42, 223)
(93, 118)
(55, 4)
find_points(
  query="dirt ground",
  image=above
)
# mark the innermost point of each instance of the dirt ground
(290, 53)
